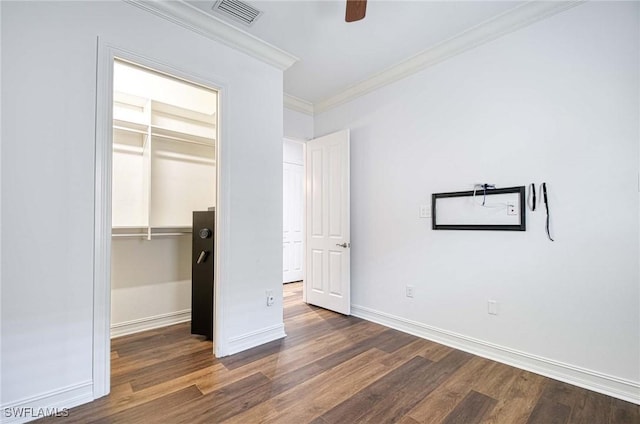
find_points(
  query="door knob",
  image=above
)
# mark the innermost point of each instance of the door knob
(202, 257)
(344, 245)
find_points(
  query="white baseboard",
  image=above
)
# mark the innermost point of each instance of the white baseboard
(592, 380)
(56, 401)
(255, 338)
(149, 323)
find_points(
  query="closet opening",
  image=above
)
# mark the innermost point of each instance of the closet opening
(164, 167)
(293, 219)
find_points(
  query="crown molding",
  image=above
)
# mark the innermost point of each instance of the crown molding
(298, 104)
(196, 20)
(496, 27)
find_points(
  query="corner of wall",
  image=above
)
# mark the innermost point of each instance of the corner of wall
(1, 205)
(297, 125)
(255, 338)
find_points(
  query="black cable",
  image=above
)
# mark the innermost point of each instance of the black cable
(532, 196)
(546, 205)
(485, 186)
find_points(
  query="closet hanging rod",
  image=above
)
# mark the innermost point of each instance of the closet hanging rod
(176, 230)
(153, 227)
(165, 136)
(146, 235)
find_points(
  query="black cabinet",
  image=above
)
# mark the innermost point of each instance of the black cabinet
(202, 274)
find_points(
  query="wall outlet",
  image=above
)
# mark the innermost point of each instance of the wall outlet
(492, 307)
(425, 211)
(511, 209)
(270, 298)
(409, 291)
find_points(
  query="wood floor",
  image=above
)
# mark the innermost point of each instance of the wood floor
(330, 369)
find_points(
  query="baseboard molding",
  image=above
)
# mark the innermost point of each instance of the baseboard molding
(149, 323)
(54, 402)
(592, 380)
(255, 338)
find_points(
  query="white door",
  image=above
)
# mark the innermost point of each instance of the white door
(292, 225)
(328, 260)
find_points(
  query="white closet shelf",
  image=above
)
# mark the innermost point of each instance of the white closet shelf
(163, 132)
(144, 231)
(190, 114)
(129, 99)
(129, 227)
(135, 114)
(132, 126)
(170, 134)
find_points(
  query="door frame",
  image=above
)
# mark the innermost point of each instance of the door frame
(107, 53)
(304, 206)
(304, 201)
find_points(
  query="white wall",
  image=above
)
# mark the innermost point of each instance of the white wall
(556, 102)
(150, 282)
(293, 152)
(48, 147)
(298, 125)
(1, 137)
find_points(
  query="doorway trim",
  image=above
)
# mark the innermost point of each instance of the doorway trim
(106, 54)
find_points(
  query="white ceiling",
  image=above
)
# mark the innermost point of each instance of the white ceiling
(335, 55)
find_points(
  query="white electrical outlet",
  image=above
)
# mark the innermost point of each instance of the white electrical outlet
(492, 307)
(270, 298)
(511, 209)
(409, 291)
(425, 211)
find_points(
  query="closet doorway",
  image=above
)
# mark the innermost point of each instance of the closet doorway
(293, 211)
(165, 136)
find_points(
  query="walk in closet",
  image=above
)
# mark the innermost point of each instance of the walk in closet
(164, 168)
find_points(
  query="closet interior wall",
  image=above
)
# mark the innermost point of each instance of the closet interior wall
(164, 168)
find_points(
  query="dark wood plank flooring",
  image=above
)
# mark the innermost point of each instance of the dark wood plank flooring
(330, 369)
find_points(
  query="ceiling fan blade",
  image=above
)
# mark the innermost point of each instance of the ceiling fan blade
(356, 10)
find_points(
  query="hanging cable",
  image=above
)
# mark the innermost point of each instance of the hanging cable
(531, 201)
(546, 205)
(484, 188)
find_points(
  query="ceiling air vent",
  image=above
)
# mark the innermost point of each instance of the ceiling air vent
(237, 10)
